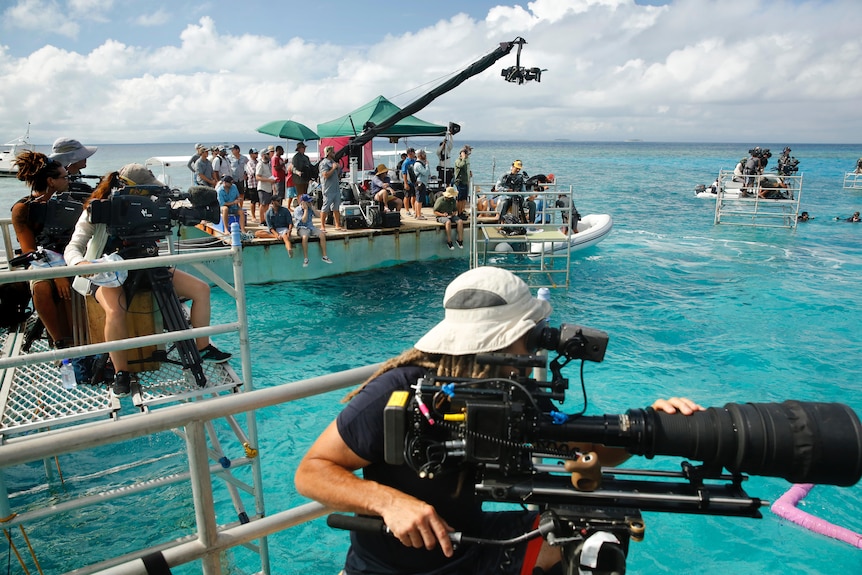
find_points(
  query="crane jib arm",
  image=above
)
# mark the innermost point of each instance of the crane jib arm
(477, 67)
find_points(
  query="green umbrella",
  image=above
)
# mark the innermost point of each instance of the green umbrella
(288, 129)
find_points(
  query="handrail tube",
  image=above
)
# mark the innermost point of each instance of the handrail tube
(35, 448)
(131, 264)
(231, 537)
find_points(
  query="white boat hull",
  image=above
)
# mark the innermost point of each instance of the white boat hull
(592, 229)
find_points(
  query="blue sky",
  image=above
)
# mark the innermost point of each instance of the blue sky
(685, 70)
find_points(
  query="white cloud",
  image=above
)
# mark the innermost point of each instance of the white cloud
(31, 15)
(96, 10)
(157, 18)
(692, 70)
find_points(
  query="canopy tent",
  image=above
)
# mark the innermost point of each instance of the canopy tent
(338, 132)
(376, 111)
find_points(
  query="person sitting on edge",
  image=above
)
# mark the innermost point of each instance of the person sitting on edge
(487, 310)
(52, 298)
(303, 217)
(381, 190)
(91, 241)
(230, 203)
(446, 212)
(279, 224)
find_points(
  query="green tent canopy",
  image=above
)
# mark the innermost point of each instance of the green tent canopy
(376, 111)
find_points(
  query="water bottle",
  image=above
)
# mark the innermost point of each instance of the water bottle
(67, 375)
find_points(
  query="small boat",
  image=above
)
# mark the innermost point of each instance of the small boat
(592, 228)
(10, 151)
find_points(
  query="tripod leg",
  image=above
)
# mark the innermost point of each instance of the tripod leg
(172, 313)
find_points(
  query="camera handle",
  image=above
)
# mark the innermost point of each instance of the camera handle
(592, 541)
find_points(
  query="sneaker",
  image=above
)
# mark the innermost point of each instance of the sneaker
(460, 244)
(451, 247)
(305, 263)
(214, 355)
(326, 259)
(122, 383)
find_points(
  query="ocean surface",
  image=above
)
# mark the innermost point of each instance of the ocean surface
(717, 313)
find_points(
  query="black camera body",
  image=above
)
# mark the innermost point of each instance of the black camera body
(498, 425)
(147, 212)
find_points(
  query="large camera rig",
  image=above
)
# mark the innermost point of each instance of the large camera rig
(139, 216)
(503, 427)
(148, 212)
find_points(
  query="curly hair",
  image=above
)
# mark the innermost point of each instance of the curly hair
(35, 168)
(442, 365)
(109, 183)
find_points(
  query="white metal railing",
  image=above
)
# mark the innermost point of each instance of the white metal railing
(853, 181)
(767, 200)
(208, 539)
(525, 254)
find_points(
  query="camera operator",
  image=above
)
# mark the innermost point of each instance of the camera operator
(513, 185)
(91, 241)
(51, 298)
(487, 310)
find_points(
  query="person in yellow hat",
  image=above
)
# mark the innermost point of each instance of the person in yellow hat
(381, 190)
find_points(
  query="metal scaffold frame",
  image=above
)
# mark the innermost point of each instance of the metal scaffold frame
(540, 256)
(766, 200)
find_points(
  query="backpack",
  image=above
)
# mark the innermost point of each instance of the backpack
(513, 231)
(14, 304)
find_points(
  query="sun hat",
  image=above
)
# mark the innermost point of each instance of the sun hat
(306, 198)
(300, 145)
(68, 151)
(328, 149)
(139, 175)
(517, 164)
(450, 192)
(487, 309)
(381, 169)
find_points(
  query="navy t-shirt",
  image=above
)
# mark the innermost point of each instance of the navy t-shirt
(360, 425)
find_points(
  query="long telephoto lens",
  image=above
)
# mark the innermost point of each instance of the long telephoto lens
(801, 442)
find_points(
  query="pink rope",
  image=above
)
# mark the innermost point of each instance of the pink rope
(786, 507)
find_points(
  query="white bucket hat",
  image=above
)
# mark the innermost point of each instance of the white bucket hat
(487, 309)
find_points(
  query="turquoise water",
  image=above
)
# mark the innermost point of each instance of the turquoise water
(717, 313)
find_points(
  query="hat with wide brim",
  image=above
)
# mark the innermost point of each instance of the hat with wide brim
(68, 151)
(381, 169)
(487, 309)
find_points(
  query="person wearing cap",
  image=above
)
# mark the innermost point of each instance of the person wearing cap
(237, 169)
(330, 180)
(461, 178)
(221, 165)
(487, 310)
(265, 183)
(191, 163)
(446, 212)
(204, 169)
(303, 217)
(52, 298)
(92, 241)
(301, 169)
(279, 224)
(251, 182)
(381, 190)
(276, 164)
(230, 203)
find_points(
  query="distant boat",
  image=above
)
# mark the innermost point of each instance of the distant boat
(11, 150)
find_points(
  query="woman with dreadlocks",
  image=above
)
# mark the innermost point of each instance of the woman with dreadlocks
(51, 298)
(487, 310)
